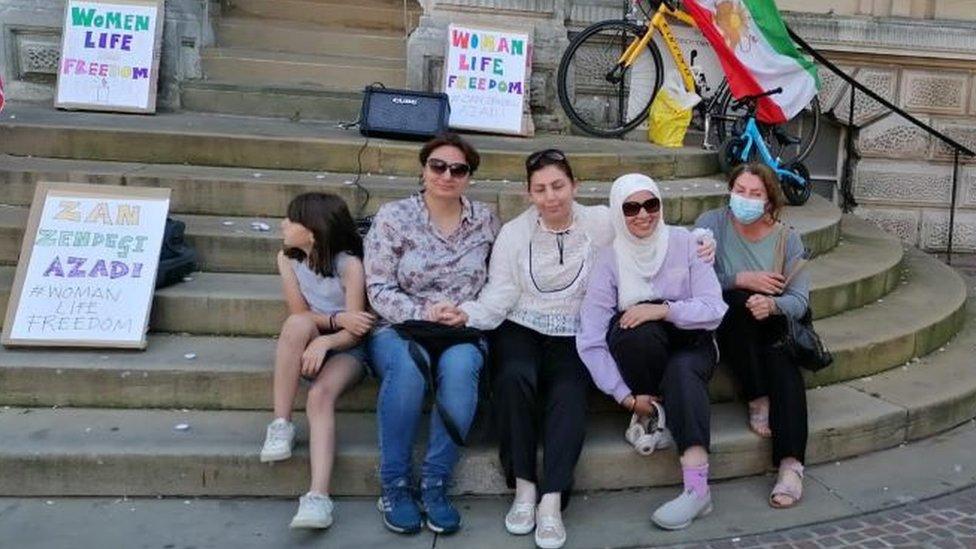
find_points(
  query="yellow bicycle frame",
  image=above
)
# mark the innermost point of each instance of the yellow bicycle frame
(660, 22)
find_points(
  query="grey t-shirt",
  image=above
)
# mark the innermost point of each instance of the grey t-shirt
(324, 294)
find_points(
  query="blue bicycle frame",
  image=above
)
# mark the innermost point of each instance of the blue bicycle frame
(752, 138)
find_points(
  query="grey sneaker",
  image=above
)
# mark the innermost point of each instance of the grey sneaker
(278, 440)
(314, 511)
(680, 511)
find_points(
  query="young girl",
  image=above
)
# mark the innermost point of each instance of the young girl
(323, 281)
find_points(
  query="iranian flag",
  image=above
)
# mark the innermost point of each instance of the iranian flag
(757, 54)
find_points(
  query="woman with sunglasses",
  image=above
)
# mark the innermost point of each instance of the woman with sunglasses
(428, 248)
(539, 268)
(661, 302)
(760, 266)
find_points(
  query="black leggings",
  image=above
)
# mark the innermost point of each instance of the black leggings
(539, 381)
(656, 358)
(748, 347)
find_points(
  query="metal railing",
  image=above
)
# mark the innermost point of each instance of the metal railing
(847, 178)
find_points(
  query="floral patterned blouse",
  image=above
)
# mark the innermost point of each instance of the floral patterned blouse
(410, 265)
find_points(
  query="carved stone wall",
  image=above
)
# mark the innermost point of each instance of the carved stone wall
(30, 47)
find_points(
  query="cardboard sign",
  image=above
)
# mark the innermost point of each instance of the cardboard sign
(486, 78)
(110, 55)
(87, 266)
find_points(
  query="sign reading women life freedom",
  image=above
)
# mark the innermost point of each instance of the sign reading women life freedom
(87, 266)
(110, 55)
(486, 79)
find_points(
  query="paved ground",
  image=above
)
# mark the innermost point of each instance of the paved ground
(917, 495)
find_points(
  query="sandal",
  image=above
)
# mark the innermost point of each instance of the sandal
(789, 490)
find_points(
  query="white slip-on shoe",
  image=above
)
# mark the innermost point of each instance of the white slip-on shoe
(314, 511)
(682, 510)
(278, 440)
(520, 519)
(549, 532)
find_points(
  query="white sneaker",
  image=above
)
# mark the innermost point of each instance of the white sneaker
(520, 519)
(680, 511)
(314, 511)
(549, 532)
(278, 440)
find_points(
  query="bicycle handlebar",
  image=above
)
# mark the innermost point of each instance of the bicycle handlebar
(756, 97)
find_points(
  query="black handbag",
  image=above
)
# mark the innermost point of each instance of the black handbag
(436, 338)
(800, 341)
(176, 258)
(802, 344)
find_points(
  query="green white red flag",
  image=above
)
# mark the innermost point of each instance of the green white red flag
(757, 54)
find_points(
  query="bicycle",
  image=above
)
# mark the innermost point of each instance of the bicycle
(595, 77)
(747, 141)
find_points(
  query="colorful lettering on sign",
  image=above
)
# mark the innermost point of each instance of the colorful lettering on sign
(487, 84)
(80, 66)
(110, 20)
(108, 41)
(125, 214)
(76, 267)
(486, 42)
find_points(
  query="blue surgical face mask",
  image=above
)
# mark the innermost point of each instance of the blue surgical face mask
(746, 210)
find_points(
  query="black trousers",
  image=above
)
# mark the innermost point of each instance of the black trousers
(748, 347)
(656, 358)
(539, 386)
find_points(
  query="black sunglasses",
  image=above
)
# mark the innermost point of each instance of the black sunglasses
(438, 166)
(651, 205)
(532, 162)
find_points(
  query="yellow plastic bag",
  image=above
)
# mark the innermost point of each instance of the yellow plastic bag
(671, 114)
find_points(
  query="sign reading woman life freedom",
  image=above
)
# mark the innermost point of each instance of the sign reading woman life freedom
(486, 79)
(87, 266)
(110, 55)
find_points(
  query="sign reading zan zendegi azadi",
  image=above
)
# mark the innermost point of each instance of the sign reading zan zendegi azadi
(110, 55)
(486, 79)
(87, 267)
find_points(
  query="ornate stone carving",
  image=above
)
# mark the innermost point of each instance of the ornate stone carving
(935, 231)
(936, 92)
(37, 54)
(967, 182)
(832, 88)
(903, 182)
(894, 137)
(901, 223)
(884, 82)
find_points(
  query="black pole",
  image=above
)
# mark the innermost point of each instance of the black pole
(847, 194)
(952, 205)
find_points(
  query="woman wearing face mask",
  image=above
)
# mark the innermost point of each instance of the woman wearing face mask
(759, 294)
(537, 276)
(646, 332)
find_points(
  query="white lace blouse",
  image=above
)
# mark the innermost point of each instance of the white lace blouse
(537, 277)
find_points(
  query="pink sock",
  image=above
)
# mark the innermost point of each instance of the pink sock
(696, 479)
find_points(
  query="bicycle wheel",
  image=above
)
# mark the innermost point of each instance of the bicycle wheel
(790, 142)
(730, 154)
(797, 195)
(594, 91)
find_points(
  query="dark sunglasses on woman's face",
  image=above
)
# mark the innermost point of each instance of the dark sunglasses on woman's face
(651, 205)
(438, 166)
(549, 154)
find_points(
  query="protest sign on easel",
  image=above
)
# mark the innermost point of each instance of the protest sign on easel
(110, 55)
(486, 78)
(87, 267)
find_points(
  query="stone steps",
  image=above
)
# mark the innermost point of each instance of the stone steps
(372, 15)
(235, 373)
(231, 244)
(308, 38)
(295, 102)
(137, 452)
(326, 71)
(199, 139)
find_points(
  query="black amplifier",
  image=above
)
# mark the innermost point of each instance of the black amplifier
(403, 114)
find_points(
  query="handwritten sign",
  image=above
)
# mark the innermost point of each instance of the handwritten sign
(87, 266)
(110, 55)
(486, 79)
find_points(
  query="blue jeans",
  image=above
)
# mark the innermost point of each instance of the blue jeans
(401, 401)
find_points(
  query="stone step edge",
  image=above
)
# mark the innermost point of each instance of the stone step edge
(846, 420)
(215, 140)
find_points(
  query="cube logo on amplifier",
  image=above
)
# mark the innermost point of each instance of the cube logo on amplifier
(403, 114)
